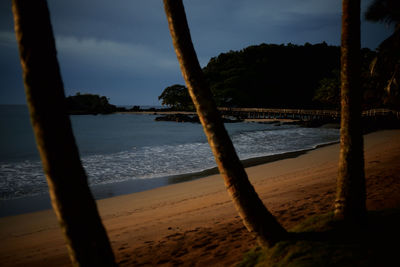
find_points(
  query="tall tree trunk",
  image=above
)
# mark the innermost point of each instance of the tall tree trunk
(70, 195)
(254, 214)
(350, 196)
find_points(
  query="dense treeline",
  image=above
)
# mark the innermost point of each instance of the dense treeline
(280, 76)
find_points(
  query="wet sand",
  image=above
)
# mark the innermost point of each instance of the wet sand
(195, 224)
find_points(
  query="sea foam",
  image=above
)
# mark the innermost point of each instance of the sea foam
(25, 178)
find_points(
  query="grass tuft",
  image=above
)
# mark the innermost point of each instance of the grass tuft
(322, 241)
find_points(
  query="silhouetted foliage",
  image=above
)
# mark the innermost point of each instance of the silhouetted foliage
(385, 68)
(270, 75)
(135, 108)
(176, 97)
(387, 11)
(89, 104)
(327, 94)
(280, 76)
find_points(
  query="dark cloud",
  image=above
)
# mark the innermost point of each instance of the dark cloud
(122, 49)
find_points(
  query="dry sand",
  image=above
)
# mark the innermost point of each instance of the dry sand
(195, 224)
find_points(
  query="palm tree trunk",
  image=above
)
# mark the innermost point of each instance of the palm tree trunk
(70, 195)
(254, 214)
(350, 196)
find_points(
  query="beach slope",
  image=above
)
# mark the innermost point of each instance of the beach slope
(194, 223)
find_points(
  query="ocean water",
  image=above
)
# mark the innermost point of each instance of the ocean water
(122, 149)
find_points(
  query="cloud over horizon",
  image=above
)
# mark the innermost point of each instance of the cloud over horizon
(123, 49)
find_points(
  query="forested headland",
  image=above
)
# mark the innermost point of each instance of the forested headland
(281, 76)
(81, 104)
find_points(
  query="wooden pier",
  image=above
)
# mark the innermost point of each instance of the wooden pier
(299, 114)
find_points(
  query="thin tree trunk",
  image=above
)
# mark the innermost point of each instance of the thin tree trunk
(70, 195)
(255, 215)
(351, 196)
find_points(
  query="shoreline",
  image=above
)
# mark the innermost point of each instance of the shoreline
(18, 206)
(195, 223)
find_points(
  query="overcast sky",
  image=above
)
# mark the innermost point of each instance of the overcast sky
(122, 49)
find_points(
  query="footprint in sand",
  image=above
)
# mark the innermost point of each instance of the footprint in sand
(199, 245)
(123, 261)
(211, 247)
(180, 253)
(173, 235)
(163, 261)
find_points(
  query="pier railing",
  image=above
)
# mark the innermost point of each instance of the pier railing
(301, 114)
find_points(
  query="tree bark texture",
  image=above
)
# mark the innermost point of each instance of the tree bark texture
(254, 214)
(351, 196)
(72, 201)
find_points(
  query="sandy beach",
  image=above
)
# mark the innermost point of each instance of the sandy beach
(195, 224)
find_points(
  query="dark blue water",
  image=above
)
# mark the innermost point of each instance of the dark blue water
(119, 149)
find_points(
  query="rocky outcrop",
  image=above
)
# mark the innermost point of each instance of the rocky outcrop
(188, 118)
(179, 118)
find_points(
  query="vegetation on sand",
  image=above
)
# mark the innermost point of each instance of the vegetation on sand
(323, 241)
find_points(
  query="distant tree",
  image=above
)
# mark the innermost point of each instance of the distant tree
(89, 104)
(135, 108)
(350, 203)
(255, 215)
(177, 97)
(72, 201)
(385, 68)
